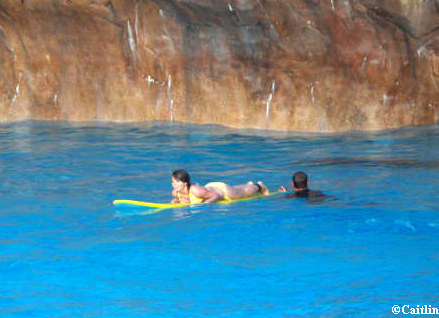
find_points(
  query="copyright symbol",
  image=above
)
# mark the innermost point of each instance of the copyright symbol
(396, 309)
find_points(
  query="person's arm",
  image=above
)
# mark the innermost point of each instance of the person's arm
(282, 189)
(204, 194)
(288, 194)
(175, 198)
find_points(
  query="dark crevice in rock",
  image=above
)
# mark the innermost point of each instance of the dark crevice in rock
(5, 13)
(404, 25)
(110, 7)
(399, 21)
(412, 62)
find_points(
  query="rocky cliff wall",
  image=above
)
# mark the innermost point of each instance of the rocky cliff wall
(328, 65)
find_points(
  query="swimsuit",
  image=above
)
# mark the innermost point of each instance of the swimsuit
(259, 187)
(221, 186)
(192, 198)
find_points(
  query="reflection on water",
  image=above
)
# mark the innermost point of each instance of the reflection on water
(64, 243)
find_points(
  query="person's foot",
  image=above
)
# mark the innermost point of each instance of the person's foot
(264, 189)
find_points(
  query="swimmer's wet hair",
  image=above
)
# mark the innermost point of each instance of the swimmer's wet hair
(300, 180)
(182, 175)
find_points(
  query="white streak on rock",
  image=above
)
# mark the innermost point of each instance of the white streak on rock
(5, 41)
(17, 90)
(150, 80)
(136, 23)
(172, 109)
(131, 41)
(313, 99)
(269, 99)
(171, 100)
(387, 98)
(169, 83)
(421, 49)
(167, 35)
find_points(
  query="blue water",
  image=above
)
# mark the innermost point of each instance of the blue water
(66, 252)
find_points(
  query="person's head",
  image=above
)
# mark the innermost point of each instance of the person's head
(300, 180)
(180, 179)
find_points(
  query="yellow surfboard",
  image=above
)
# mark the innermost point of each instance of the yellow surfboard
(153, 205)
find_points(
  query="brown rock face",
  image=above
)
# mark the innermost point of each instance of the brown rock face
(306, 65)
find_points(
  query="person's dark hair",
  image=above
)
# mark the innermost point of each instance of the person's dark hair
(300, 180)
(182, 175)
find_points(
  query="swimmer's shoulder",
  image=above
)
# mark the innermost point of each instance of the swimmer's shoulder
(310, 195)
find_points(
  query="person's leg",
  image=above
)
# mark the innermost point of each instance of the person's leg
(245, 190)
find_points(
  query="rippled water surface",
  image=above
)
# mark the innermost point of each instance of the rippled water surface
(66, 252)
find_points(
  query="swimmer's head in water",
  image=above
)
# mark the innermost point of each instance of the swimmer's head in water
(300, 180)
(180, 178)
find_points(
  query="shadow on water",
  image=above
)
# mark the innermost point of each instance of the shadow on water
(370, 161)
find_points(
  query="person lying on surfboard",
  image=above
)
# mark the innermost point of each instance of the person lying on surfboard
(185, 192)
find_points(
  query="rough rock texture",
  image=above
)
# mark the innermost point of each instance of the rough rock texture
(328, 65)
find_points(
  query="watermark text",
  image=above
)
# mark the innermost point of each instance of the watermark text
(415, 310)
